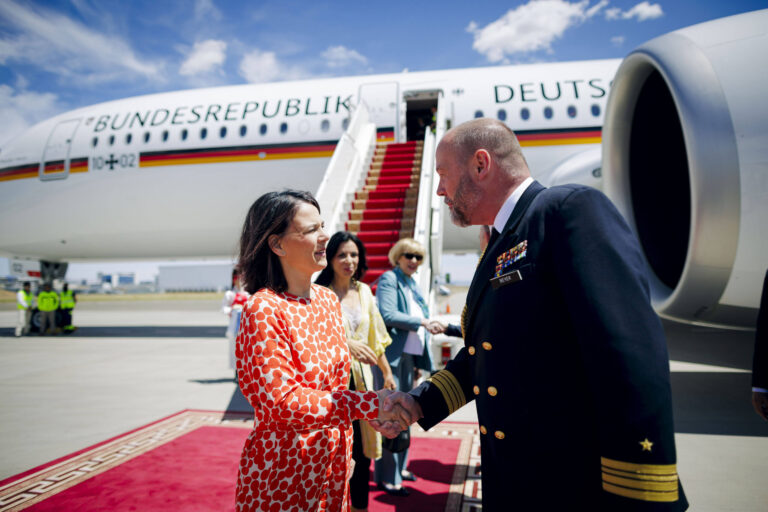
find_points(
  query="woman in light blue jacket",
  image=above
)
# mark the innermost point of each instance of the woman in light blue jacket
(406, 316)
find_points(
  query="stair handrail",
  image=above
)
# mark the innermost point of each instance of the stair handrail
(422, 229)
(345, 168)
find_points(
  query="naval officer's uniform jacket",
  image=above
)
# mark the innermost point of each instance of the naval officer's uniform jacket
(567, 363)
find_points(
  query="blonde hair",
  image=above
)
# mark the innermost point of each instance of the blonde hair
(401, 247)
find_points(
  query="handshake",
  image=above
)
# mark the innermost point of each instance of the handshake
(397, 411)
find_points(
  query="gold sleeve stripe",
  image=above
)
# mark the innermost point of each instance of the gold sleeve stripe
(637, 476)
(641, 485)
(448, 396)
(448, 385)
(456, 387)
(463, 321)
(666, 497)
(450, 389)
(639, 469)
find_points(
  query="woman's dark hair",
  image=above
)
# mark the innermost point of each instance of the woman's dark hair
(332, 247)
(271, 214)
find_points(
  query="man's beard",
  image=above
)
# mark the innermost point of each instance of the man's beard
(464, 201)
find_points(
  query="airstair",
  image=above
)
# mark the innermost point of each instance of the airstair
(382, 192)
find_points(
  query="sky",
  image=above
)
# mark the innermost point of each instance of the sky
(60, 55)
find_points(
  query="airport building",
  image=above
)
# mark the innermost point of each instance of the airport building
(194, 278)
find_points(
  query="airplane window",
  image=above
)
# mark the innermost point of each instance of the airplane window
(502, 114)
(548, 112)
(525, 114)
(128, 138)
(344, 123)
(94, 141)
(111, 140)
(184, 134)
(596, 110)
(283, 127)
(203, 133)
(223, 132)
(263, 129)
(478, 113)
(146, 137)
(571, 111)
(325, 125)
(165, 135)
(243, 130)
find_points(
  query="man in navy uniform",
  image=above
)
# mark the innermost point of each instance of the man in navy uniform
(564, 356)
(760, 359)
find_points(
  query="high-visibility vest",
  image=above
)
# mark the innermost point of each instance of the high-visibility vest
(27, 299)
(67, 300)
(48, 301)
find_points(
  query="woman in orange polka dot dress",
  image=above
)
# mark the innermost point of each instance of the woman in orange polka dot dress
(293, 365)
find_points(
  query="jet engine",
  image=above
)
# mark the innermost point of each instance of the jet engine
(685, 159)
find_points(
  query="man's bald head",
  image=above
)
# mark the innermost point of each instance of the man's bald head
(492, 136)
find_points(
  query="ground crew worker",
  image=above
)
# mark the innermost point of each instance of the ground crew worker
(68, 301)
(47, 303)
(24, 305)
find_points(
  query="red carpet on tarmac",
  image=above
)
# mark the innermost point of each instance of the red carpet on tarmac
(188, 462)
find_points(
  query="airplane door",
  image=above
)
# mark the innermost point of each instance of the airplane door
(383, 102)
(54, 165)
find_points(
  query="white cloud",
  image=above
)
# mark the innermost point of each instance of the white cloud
(68, 48)
(531, 27)
(642, 11)
(617, 40)
(206, 56)
(21, 109)
(341, 56)
(260, 66)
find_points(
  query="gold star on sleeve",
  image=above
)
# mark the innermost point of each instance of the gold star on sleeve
(646, 444)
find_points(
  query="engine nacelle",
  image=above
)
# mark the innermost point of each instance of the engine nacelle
(685, 159)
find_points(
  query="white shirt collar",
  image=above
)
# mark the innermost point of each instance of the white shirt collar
(509, 205)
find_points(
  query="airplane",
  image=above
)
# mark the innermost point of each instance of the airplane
(172, 174)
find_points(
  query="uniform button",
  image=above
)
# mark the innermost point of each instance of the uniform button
(471, 351)
(483, 429)
(487, 346)
(493, 391)
(476, 390)
(499, 434)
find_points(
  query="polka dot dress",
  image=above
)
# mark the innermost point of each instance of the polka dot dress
(293, 367)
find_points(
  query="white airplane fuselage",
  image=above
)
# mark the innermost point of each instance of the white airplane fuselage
(172, 174)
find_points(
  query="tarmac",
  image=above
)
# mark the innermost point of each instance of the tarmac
(132, 363)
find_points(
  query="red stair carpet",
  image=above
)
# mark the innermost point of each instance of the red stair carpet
(189, 462)
(384, 209)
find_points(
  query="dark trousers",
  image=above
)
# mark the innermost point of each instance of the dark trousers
(66, 316)
(358, 484)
